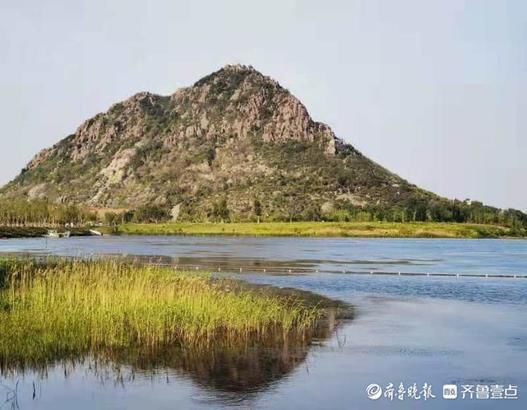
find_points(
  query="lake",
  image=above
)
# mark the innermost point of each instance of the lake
(407, 329)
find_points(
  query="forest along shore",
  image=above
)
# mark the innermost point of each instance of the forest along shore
(19, 219)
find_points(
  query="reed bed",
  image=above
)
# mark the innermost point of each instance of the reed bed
(63, 309)
(323, 229)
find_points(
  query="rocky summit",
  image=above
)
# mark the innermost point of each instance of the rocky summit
(235, 138)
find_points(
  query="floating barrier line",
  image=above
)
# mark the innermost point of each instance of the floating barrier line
(292, 271)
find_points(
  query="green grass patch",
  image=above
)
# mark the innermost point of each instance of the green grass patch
(59, 310)
(323, 229)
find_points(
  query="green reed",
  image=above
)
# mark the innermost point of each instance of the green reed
(59, 309)
(324, 229)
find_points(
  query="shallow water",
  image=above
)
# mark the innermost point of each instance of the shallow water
(326, 254)
(435, 330)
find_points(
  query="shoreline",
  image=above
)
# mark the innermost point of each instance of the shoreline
(417, 230)
(413, 230)
(13, 232)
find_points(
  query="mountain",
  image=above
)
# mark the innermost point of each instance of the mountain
(235, 140)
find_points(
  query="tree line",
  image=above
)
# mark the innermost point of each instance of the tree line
(143, 214)
(42, 213)
(415, 210)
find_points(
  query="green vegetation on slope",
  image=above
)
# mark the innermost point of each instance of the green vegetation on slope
(327, 229)
(234, 147)
(63, 309)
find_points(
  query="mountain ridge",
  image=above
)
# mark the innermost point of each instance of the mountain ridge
(235, 143)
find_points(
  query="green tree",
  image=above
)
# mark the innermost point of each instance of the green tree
(257, 205)
(220, 210)
(151, 214)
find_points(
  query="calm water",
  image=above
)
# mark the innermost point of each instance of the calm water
(407, 329)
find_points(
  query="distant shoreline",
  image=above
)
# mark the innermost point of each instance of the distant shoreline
(321, 229)
(292, 229)
(13, 232)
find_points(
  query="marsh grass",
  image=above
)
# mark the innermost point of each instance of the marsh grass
(323, 229)
(55, 310)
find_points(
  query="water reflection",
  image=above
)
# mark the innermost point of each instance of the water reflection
(323, 254)
(410, 329)
(229, 372)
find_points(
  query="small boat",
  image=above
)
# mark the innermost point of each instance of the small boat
(96, 233)
(52, 233)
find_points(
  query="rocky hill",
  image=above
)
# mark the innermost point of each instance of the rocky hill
(235, 139)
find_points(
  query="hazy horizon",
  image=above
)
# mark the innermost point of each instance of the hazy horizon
(434, 92)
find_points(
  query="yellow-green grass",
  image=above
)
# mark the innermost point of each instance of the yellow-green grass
(323, 229)
(62, 309)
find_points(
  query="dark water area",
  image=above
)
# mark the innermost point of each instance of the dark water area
(407, 329)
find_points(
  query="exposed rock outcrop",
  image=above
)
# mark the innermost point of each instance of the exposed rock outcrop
(234, 135)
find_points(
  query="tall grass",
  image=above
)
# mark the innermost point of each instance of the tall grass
(62, 309)
(323, 229)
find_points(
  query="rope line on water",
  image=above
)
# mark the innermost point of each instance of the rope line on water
(293, 271)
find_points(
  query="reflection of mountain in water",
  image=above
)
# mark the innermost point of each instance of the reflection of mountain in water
(233, 369)
(228, 372)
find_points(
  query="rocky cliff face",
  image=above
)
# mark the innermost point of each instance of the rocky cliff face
(235, 136)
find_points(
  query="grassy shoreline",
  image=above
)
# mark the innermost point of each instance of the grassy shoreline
(59, 309)
(21, 232)
(35, 232)
(298, 229)
(323, 229)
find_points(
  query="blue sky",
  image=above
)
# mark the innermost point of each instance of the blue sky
(433, 90)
